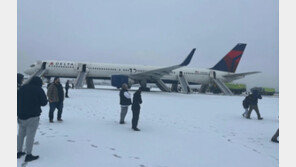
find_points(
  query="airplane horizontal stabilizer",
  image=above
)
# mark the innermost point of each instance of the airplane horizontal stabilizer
(237, 75)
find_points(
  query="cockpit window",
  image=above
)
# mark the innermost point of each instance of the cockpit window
(33, 65)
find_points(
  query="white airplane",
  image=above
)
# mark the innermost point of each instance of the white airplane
(223, 71)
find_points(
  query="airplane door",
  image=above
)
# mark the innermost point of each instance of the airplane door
(181, 73)
(213, 74)
(43, 66)
(81, 67)
(84, 68)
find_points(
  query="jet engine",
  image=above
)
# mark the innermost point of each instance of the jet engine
(118, 80)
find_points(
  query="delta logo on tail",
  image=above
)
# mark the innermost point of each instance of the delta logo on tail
(230, 62)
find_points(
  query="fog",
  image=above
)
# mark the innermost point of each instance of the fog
(159, 33)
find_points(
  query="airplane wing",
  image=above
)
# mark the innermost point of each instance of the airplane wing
(158, 73)
(240, 75)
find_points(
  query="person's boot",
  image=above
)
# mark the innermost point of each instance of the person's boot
(50, 121)
(136, 129)
(60, 120)
(274, 140)
(20, 154)
(30, 157)
(121, 122)
(260, 118)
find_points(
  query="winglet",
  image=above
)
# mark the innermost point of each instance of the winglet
(188, 58)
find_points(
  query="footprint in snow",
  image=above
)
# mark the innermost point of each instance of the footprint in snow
(117, 156)
(113, 149)
(256, 151)
(50, 136)
(24, 164)
(142, 165)
(94, 146)
(232, 133)
(273, 157)
(36, 143)
(136, 158)
(72, 141)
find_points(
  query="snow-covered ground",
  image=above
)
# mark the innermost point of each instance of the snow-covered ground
(177, 130)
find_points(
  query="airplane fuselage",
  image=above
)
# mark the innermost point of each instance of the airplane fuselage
(68, 69)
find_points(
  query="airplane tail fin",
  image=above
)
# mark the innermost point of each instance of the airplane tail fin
(230, 62)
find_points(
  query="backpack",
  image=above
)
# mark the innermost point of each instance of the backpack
(246, 102)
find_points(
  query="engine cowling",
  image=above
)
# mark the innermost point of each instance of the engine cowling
(118, 80)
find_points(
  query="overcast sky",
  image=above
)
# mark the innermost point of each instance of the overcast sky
(147, 32)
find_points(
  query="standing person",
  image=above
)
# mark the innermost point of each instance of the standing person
(20, 79)
(137, 100)
(48, 84)
(30, 98)
(254, 104)
(275, 136)
(125, 101)
(67, 88)
(246, 105)
(55, 94)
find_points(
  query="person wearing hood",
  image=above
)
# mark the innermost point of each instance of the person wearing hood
(30, 98)
(20, 78)
(55, 94)
(253, 101)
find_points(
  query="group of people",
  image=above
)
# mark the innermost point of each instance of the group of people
(30, 98)
(250, 103)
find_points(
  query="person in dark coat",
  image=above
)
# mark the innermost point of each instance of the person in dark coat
(55, 94)
(246, 104)
(48, 84)
(125, 101)
(137, 100)
(67, 86)
(30, 98)
(275, 136)
(20, 79)
(254, 104)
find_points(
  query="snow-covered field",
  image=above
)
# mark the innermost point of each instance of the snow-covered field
(177, 130)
